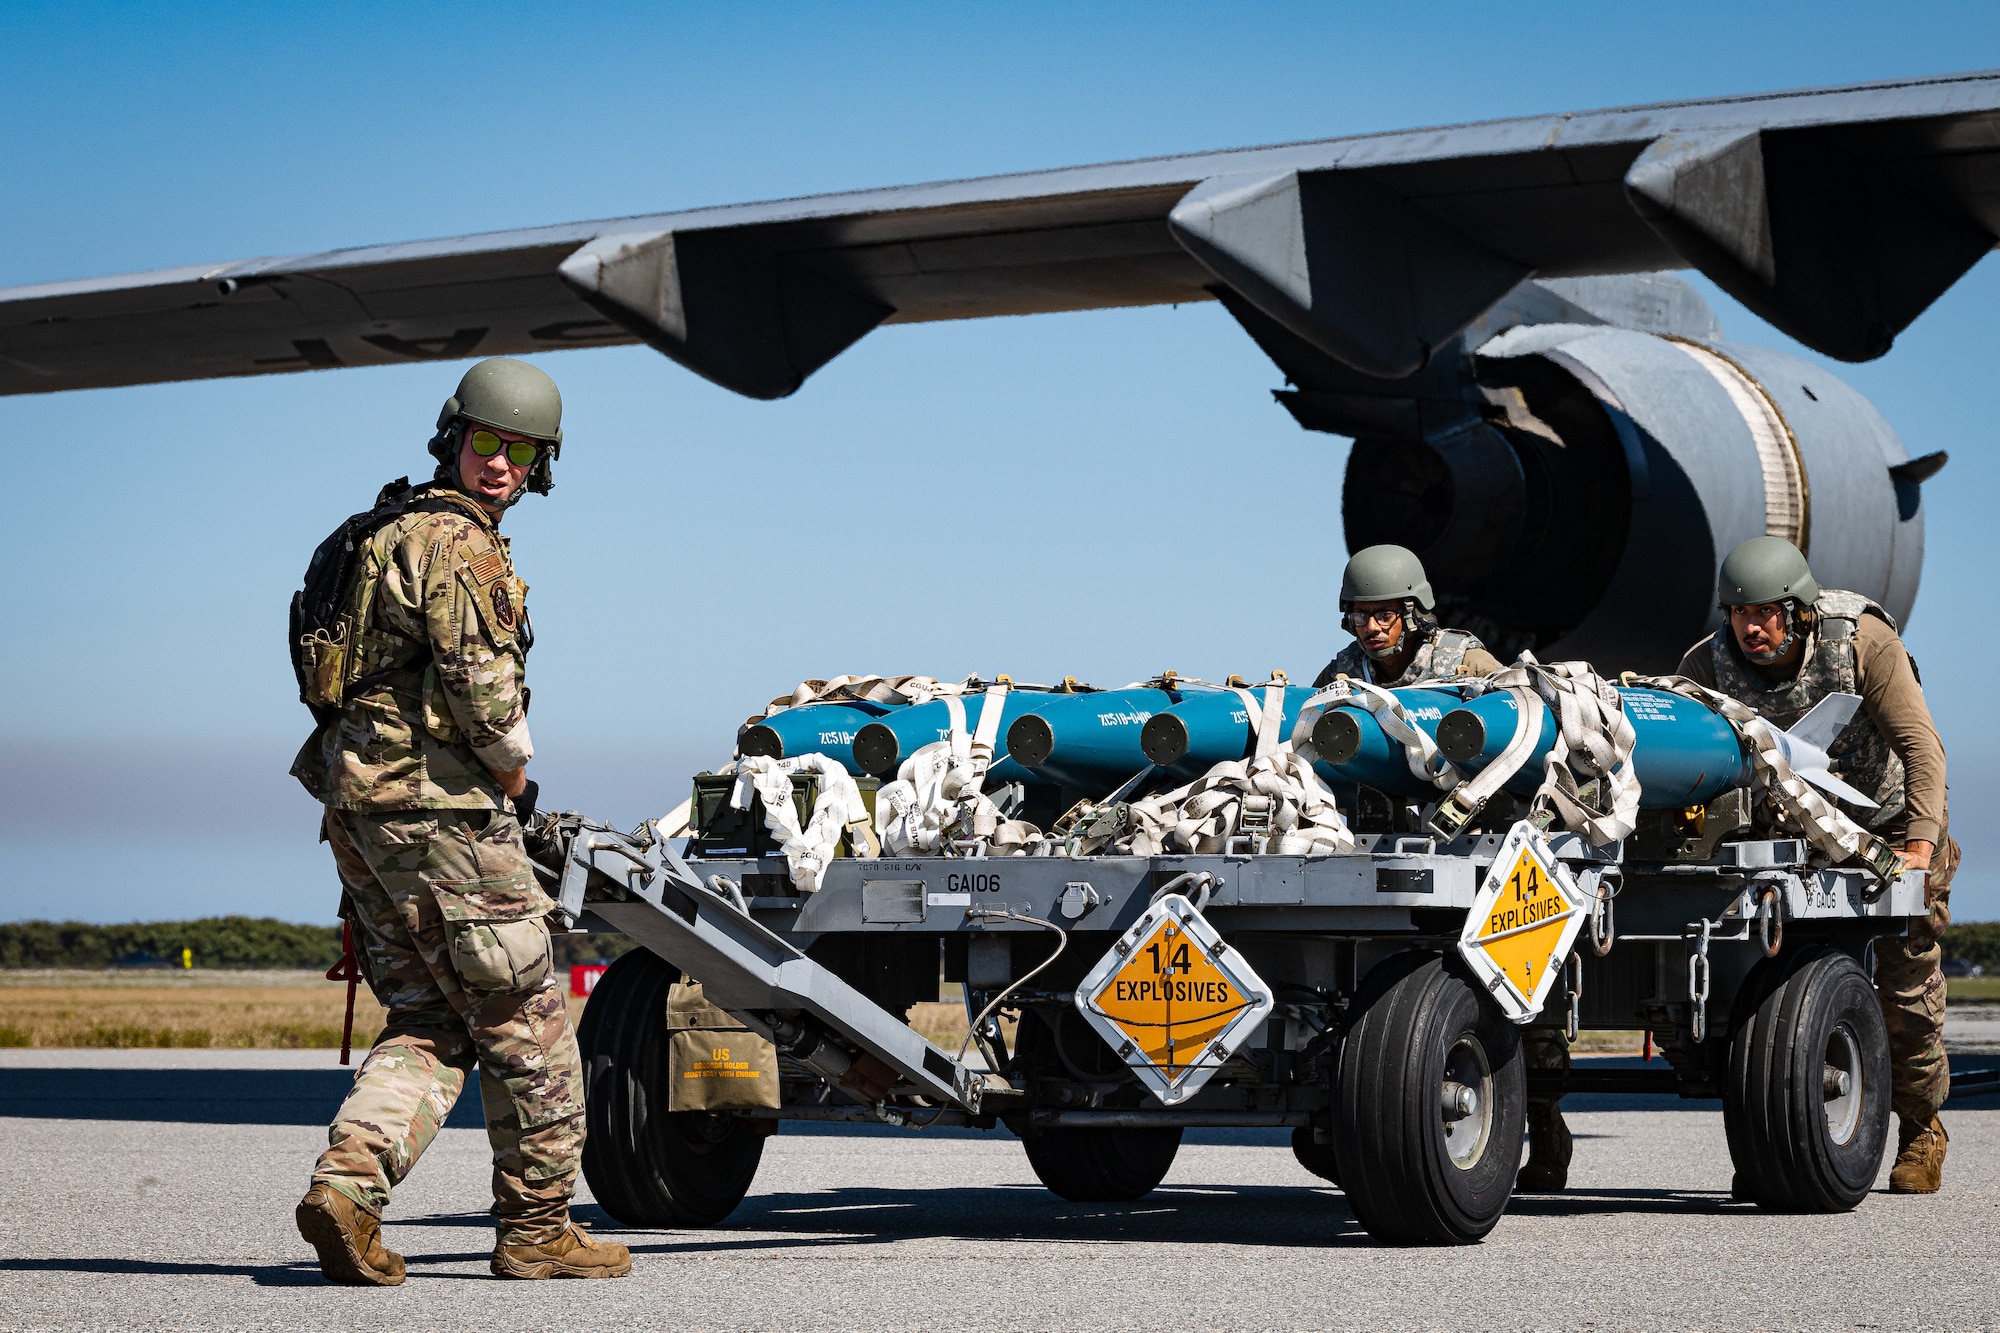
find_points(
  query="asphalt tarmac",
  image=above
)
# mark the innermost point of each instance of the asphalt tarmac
(154, 1189)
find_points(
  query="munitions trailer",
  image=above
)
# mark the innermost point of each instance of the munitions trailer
(1359, 999)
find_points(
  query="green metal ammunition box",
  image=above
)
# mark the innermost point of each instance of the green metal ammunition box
(720, 830)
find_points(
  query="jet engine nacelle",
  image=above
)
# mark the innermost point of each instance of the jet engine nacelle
(1572, 485)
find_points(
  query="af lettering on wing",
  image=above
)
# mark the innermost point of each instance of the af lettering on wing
(1525, 924)
(1170, 999)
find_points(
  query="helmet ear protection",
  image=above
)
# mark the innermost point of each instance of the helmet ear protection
(443, 444)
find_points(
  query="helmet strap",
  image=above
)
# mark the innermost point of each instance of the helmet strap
(1797, 624)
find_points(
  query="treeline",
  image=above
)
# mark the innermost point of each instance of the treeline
(216, 941)
(264, 942)
(1975, 942)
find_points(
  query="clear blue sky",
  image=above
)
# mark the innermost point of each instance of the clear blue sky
(1046, 496)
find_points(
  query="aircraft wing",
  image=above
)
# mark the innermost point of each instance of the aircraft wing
(1837, 214)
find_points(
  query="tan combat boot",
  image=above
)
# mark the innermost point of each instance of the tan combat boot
(348, 1238)
(1919, 1165)
(1549, 1148)
(572, 1254)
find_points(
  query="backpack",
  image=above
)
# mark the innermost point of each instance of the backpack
(324, 619)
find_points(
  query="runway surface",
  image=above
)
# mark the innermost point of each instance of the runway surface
(154, 1189)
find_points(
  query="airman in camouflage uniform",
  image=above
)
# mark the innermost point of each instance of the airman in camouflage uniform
(1386, 603)
(1788, 645)
(420, 768)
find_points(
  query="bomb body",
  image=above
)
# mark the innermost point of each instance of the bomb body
(822, 728)
(1683, 753)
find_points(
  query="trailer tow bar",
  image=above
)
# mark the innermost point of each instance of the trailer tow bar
(639, 884)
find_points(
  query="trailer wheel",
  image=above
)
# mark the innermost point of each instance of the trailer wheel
(1429, 1107)
(647, 1166)
(1102, 1165)
(1806, 1104)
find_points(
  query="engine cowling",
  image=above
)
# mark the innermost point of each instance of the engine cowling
(1572, 485)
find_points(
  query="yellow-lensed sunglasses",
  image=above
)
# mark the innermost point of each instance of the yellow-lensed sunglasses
(521, 453)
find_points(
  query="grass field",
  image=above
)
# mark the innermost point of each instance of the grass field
(263, 1010)
(289, 1010)
(277, 1010)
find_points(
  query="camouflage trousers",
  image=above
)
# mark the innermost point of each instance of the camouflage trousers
(1909, 982)
(1545, 1048)
(449, 928)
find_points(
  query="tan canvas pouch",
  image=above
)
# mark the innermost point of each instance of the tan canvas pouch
(714, 1063)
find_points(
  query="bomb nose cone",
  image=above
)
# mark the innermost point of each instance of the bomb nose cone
(760, 740)
(1164, 739)
(1461, 736)
(876, 750)
(1336, 736)
(1031, 740)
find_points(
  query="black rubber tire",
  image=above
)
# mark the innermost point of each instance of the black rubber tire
(648, 1167)
(1102, 1165)
(1395, 1161)
(1809, 1012)
(1318, 1158)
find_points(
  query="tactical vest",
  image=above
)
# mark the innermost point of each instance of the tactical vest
(1861, 755)
(1438, 659)
(381, 659)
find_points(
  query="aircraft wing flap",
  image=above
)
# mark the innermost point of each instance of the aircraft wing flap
(284, 320)
(1874, 197)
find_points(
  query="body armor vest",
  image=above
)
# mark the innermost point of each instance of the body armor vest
(1861, 755)
(1439, 659)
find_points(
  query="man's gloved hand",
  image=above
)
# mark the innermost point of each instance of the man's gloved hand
(524, 802)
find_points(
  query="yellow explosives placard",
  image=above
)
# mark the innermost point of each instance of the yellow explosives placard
(1173, 999)
(1522, 923)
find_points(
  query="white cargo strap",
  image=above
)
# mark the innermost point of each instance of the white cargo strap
(1420, 752)
(838, 810)
(988, 734)
(674, 823)
(957, 739)
(1825, 826)
(936, 794)
(911, 812)
(1205, 814)
(1267, 719)
(1593, 737)
(1469, 797)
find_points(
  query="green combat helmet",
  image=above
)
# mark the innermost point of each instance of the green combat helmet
(1385, 574)
(1766, 571)
(1388, 574)
(509, 395)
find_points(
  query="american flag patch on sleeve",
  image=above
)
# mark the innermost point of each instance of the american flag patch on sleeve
(487, 567)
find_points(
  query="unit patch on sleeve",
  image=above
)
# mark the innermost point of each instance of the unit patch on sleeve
(503, 607)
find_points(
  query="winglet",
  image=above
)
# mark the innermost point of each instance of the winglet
(1821, 726)
(1806, 743)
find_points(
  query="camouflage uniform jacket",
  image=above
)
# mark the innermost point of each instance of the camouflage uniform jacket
(437, 698)
(1439, 658)
(1890, 750)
